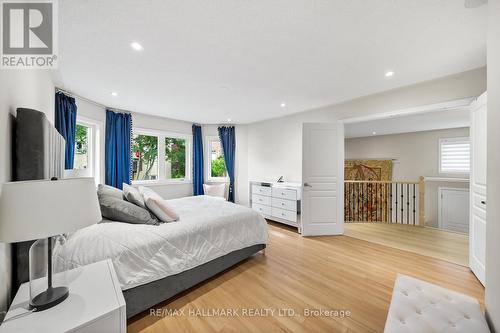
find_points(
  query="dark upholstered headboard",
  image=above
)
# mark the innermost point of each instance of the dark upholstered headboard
(38, 154)
(39, 147)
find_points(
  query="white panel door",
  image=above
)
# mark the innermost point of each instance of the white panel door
(323, 179)
(454, 209)
(477, 227)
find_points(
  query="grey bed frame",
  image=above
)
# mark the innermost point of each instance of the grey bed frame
(143, 297)
(39, 155)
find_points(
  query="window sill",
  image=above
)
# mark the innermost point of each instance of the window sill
(217, 180)
(161, 182)
(454, 174)
(448, 179)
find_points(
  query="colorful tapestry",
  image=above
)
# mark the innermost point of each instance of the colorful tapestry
(366, 201)
(368, 170)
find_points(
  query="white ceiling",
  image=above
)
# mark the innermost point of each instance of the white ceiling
(207, 61)
(427, 121)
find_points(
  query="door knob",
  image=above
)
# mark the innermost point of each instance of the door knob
(307, 185)
(483, 202)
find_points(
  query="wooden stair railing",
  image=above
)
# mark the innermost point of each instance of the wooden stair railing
(385, 201)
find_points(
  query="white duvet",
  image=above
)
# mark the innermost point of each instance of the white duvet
(208, 228)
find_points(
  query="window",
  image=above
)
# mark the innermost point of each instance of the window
(454, 155)
(87, 156)
(216, 166)
(144, 157)
(175, 158)
(82, 151)
(160, 157)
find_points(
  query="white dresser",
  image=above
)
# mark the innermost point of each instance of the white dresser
(279, 202)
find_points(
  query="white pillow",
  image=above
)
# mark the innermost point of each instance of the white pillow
(132, 195)
(218, 190)
(158, 206)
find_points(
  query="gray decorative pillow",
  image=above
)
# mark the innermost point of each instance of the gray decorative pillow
(120, 210)
(132, 195)
(111, 191)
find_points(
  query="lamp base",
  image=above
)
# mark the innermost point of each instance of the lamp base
(49, 298)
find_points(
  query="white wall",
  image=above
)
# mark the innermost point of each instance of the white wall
(18, 88)
(493, 195)
(241, 167)
(416, 154)
(274, 146)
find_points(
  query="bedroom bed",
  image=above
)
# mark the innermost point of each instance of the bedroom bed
(154, 263)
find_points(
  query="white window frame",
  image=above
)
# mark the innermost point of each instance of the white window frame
(161, 135)
(95, 153)
(447, 172)
(208, 148)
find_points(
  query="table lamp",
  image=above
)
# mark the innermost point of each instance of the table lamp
(31, 210)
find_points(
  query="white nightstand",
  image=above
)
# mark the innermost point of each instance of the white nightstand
(95, 304)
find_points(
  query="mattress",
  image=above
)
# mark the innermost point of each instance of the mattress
(208, 228)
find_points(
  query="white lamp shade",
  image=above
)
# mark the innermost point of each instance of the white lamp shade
(43, 208)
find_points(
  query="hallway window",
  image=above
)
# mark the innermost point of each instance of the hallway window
(454, 156)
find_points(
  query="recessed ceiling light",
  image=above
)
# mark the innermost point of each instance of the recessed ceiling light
(374, 133)
(389, 74)
(114, 93)
(283, 104)
(136, 46)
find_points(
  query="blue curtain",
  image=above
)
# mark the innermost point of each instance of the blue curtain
(65, 120)
(197, 161)
(227, 138)
(117, 151)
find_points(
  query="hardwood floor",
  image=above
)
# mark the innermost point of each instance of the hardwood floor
(440, 244)
(298, 273)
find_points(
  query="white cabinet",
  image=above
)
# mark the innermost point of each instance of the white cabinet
(95, 304)
(279, 202)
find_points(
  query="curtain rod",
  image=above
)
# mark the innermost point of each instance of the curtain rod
(71, 94)
(79, 97)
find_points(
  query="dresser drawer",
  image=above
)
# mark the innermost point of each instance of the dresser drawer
(284, 214)
(262, 190)
(285, 204)
(284, 193)
(260, 199)
(262, 209)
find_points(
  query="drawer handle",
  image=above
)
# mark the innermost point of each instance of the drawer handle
(282, 203)
(282, 193)
(282, 214)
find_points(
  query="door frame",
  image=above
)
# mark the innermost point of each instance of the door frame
(440, 203)
(456, 104)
